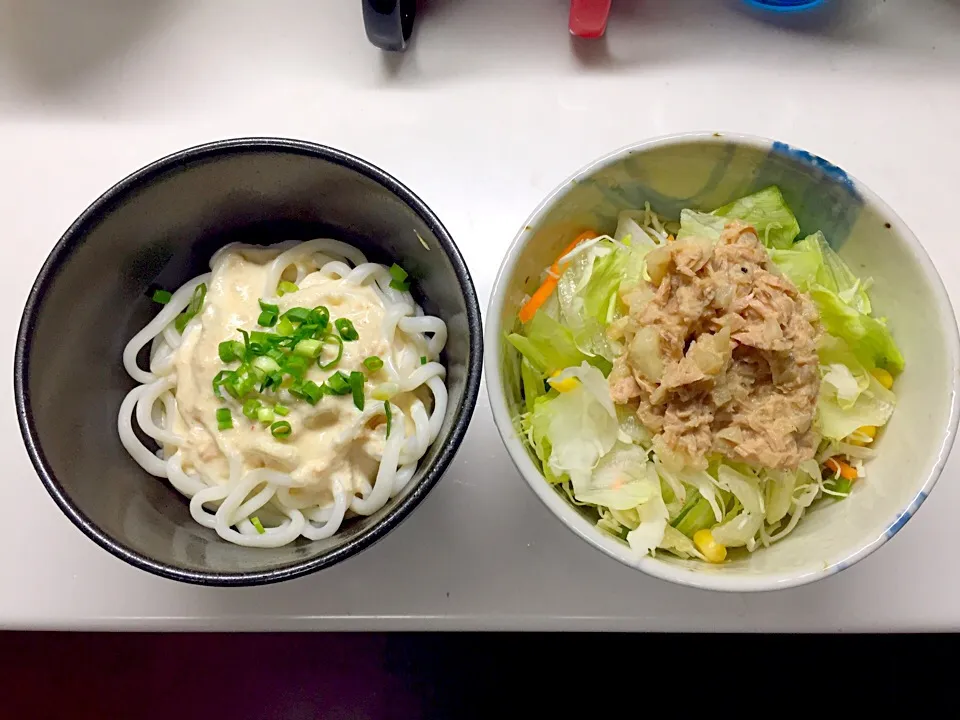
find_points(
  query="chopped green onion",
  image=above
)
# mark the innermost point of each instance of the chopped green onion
(297, 314)
(259, 342)
(399, 278)
(273, 380)
(196, 304)
(218, 380)
(265, 364)
(333, 363)
(423, 359)
(265, 415)
(338, 383)
(281, 429)
(311, 392)
(224, 419)
(255, 521)
(320, 316)
(231, 350)
(308, 348)
(285, 327)
(162, 296)
(239, 383)
(281, 409)
(251, 407)
(267, 319)
(286, 287)
(269, 307)
(389, 413)
(373, 363)
(385, 391)
(295, 365)
(356, 386)
(346, 329)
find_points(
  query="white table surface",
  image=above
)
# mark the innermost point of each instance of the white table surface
(492, 107)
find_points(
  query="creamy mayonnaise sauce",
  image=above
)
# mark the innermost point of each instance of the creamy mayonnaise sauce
(322, 448)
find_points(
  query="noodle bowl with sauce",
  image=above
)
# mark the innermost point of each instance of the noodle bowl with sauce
(289, 388)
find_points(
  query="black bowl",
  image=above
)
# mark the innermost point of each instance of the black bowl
(159, 227)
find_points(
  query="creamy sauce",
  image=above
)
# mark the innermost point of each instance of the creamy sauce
(322, 448)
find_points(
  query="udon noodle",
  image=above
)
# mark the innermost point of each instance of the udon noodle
(264, 484)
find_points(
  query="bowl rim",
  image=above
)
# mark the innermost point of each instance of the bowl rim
(75, 235)
(616, 549)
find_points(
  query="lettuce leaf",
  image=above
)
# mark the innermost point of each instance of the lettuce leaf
(580, 426)
(549, 346)
(801, 262)
(532, 383)
(587, 292)
(835, 275)
(873, 406)
(696, 224)
(622, 480)
(850, 397)
(870, 338)
(767, 211)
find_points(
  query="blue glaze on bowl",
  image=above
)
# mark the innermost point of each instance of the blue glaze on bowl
(785, 6)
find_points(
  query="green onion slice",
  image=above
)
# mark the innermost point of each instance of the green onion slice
(196, 304)
(255, 521)
(297, 314)
(373, 363)
(333, 363)
(269, 307)
(346, 329)
(219, 380)
(267, 319)
(251, 407)
(320, 316)
(356, 386)
(296, 365)
(389, 413)
(265, 364)
(281, 410)
(338, 383)
(281, 429)
(265, 415)
(398, 278)
(224, 419)
(162, 296)
(311, 392)
(230, 350)
(285, 327)
(308, 348)
(423, 359)
(286, 287)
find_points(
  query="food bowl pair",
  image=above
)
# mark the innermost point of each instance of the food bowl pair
(90, 297)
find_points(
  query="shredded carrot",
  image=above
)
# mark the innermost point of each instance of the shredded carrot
(847, 472)
(543, 293)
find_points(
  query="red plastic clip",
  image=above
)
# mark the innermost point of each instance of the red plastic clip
(588, 18)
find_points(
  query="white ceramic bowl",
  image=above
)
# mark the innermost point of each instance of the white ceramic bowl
(704, 171)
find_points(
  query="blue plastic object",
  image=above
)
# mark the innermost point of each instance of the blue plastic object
(785, 5)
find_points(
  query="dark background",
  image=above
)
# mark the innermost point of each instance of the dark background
(384, 676)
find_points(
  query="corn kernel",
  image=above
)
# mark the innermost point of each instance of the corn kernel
(712, 550)
(883, 377)
(863, 435)
(565, 385)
